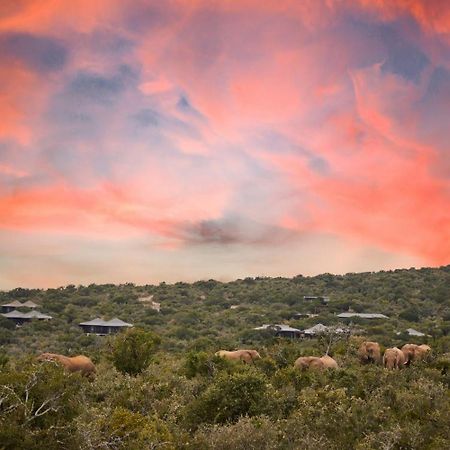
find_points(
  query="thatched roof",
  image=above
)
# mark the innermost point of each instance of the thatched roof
(277, 328)
(413, 332)
(95, 322)
(15, 315)
(319, 328)
(29, 304)
(347, 315)
(28, 315)
(14, 304)
(118, 323)
(106, 323)
(36, 315)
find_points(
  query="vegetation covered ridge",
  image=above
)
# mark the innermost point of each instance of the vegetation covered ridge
(160, 384)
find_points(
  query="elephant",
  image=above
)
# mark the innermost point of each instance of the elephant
(246, 356)
(415, 352)
(393, 358)
(314, 362)
(424, 351)
(369, 352)
(309, 362)
(329, 362)
(78, 363)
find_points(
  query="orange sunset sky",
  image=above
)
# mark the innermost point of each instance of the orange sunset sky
(150, 141)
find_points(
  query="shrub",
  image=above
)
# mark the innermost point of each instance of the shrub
(133, 350)
(257, 433)
(123, 429)
(231, 396)
(7, 323)
(38, 405)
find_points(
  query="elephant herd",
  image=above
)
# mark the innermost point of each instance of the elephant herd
(369, 352)
(393, 358)
(304, 362)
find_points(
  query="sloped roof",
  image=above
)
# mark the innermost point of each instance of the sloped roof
(363, 315)
(263, 327)
(277, 328)
(14, 304)
(286, 328)
(107, 323)
(95, 322)
(36, 315)
(28, 315)
(319, 328)
(15, 315)
(30, 304)
(118, 323)
(413, 332)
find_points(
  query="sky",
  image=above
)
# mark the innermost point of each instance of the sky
(177, 140)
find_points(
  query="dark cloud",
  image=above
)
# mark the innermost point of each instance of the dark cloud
(145, 16)
(185, 106)
(439, 84)
(100, 88)
(405, 60)
(108, 42)
(147, 117)
(233, 231)
(373, 43)
(40, 53)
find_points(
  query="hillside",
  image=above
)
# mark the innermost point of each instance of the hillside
(160, 386)
(210, 314)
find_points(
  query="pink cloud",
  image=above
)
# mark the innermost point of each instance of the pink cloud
(291, 119)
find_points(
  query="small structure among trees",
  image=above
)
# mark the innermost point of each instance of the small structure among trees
(281, 330)
(321, 329)
(413, 332)
(12, 306)
(302, 315)
(102, 327)
(19, 317)
(323, 299)
(349, 315)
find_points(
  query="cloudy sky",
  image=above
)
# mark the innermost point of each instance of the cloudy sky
(176, 140)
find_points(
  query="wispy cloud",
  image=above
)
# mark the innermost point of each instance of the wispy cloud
(229, 125)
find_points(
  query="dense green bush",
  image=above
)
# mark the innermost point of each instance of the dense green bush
(133, 350)
(121, 429)
(38, 403)
(177, 394)
(231, 396)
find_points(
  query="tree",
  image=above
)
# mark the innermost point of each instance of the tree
(133, 350)
(39, 403)
(231, 396)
